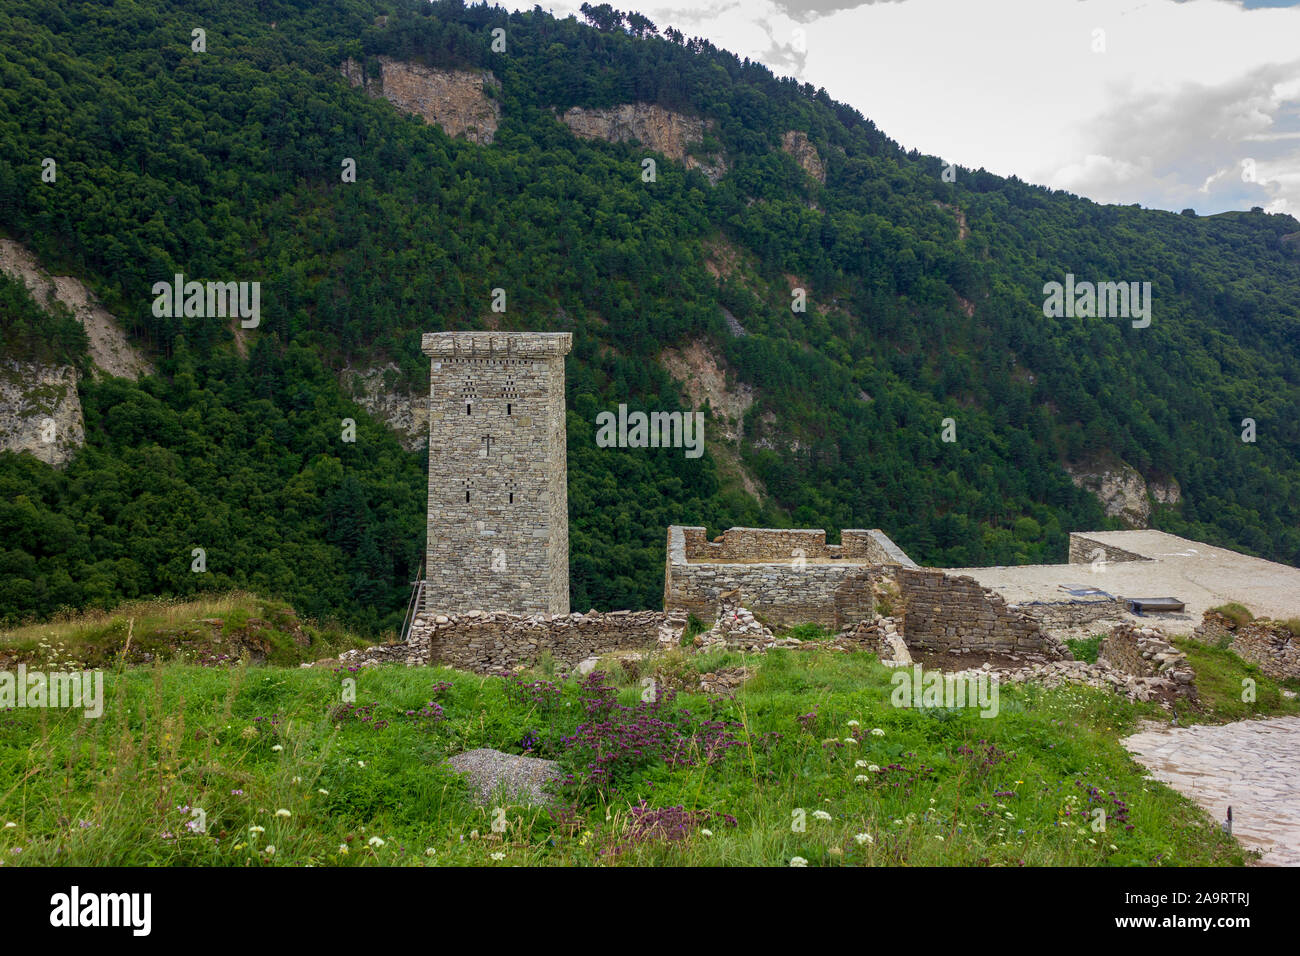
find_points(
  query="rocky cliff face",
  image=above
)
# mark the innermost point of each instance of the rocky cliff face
(40, 410)
(804, 153)
(456, 100)
(702, 374)
(663, 130)
(1122, 491)
(406, 414)
(110, 351)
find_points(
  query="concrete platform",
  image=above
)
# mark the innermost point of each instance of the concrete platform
(1200, 574)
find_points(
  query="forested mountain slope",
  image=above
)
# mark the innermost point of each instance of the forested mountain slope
(924, 302)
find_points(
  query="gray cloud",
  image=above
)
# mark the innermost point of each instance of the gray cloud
(1233, 145)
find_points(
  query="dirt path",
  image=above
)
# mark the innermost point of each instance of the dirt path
(1251, 765)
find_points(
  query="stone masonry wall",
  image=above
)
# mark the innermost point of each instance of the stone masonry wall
(785, 545)
(782, 595)
(943, 612)
(777, 573)
(1063, 615)
(1083, 549)
(496, 643)
(1144, 652)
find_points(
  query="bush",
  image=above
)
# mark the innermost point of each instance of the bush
(1238, 614)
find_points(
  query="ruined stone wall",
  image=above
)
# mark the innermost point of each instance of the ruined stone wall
(778, 574)
(498, 530)
(1265, 643)
(782, 595)
(787, 544)
(943, 612)
(498, 642)
(1144, 652)
(1064, 615)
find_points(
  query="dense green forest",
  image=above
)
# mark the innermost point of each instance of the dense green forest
(225, 164)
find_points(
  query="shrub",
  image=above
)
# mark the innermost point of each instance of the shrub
(1238, 614)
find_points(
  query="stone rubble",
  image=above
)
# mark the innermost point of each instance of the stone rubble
(1136, 661)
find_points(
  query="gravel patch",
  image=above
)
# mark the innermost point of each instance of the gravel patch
(489, 771)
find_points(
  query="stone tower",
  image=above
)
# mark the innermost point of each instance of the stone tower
(498, 526)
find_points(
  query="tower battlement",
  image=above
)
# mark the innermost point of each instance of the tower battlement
(496, 344)
(498, 519)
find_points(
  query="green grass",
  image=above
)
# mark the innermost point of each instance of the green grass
(1221, 678)
(1085, 648)
(809, 632)
(242, 743)
(694, 626)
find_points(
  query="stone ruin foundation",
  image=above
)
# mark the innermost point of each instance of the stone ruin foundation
(1274, 648)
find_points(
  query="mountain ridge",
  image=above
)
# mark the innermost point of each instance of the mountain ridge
(922, 295)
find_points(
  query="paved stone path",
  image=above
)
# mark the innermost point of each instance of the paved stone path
(1251, 765)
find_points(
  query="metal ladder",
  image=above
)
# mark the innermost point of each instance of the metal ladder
(414, 605)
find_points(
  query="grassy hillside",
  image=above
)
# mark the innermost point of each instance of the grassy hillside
(226, 165)
(216, 629)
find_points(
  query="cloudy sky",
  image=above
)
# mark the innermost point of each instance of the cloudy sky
(1167, 103)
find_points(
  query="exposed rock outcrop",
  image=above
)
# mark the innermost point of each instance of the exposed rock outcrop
(705, 380)
(456, 100)
(110, 351)
(801, 149)
(492, 774)
(1122, 491)
(963, 230)
(40, 411)
(702, 375)
(663, 130)
(406, 414)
